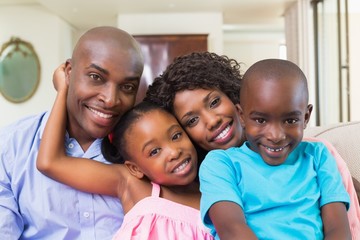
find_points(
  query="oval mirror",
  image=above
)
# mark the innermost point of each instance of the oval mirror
(19, 70)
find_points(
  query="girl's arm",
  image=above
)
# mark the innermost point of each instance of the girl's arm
(80, 173)
(336, 224)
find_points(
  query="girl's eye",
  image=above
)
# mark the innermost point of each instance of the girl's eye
(176, 136)
(154, 152)
(192, 121)
(215, 102)
(260, 120)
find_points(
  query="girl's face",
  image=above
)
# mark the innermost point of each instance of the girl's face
(161, 149)
(209, 117)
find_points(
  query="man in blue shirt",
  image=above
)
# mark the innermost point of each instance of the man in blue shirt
(103, 76)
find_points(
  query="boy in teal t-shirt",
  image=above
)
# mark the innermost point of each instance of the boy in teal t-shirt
(274, 186)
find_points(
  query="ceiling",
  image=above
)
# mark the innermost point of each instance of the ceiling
(83, 14)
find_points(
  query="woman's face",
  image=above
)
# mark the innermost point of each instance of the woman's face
(209, 117)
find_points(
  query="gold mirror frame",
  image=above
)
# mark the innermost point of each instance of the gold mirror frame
(19, 70)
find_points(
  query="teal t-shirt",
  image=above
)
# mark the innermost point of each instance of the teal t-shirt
(279, 202)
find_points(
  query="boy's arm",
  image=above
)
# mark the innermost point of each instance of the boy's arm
(229, 221)
(83, 174)
(336, 224)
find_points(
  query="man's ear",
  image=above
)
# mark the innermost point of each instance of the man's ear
(241, 114)
(134, 169)
(67, 70)
(308, 114)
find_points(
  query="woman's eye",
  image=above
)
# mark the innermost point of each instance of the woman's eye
(214, 102)
(192, 121)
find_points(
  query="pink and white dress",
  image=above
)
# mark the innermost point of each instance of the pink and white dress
(156, 218)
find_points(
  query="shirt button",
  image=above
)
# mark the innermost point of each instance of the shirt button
(86, 214)
(71, 145)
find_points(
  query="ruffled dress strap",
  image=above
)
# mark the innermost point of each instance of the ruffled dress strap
(155, 190)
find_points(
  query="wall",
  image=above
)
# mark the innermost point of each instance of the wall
(51, 38)
(249, 44)
(176, 23)
(354, 62)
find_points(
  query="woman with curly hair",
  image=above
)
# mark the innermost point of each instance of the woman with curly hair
(202, 90)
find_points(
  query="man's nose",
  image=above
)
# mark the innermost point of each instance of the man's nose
(110, 96)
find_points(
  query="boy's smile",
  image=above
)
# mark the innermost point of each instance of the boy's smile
(274, 114)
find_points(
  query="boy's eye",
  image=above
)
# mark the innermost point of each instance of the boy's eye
(214, 102)
(291, 121)
(260, 120)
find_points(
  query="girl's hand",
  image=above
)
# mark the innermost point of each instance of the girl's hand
(59, 78)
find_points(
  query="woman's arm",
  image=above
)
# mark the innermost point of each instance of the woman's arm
(336, 224)
(80, 173)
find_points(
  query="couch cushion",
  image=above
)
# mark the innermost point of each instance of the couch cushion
(345, 137)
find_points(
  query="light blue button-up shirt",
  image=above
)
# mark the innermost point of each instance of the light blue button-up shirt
(33, 206)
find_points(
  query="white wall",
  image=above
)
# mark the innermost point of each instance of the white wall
(354, 62)
(176, 23)
(249, 44)
(51, 38)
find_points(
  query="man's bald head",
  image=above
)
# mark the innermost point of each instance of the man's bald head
(110, 37)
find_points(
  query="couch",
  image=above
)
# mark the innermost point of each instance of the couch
(345, 137)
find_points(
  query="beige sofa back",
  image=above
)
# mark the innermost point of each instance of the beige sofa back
(345, 137)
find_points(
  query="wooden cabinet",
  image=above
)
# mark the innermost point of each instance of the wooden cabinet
(160, 50)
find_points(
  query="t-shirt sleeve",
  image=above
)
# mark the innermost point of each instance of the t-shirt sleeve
(218, 182)
(329, 179)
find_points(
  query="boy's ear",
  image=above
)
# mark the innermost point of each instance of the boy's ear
(308, 114)
(241, 114)
(134, 169)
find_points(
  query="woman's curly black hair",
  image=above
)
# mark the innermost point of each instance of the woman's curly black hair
(199, 70)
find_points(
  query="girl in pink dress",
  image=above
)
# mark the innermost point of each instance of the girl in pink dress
(155, 177)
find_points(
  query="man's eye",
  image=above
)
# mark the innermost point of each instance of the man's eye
(95, 76)
(129, 88)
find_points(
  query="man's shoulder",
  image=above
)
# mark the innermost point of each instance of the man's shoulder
(24, 126)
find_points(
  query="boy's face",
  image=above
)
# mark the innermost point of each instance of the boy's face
(274, 114)
(209, 117)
